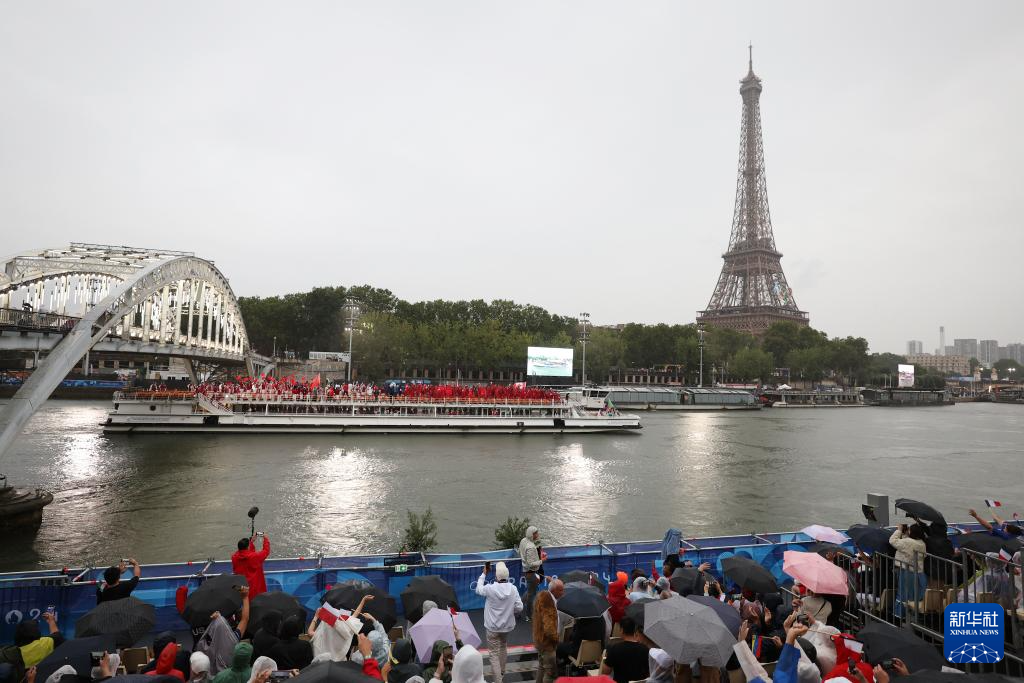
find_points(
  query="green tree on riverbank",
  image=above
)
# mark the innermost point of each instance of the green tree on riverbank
(392, 334)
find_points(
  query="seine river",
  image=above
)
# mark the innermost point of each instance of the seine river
(166, 498)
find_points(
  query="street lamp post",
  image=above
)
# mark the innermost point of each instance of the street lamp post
(584, 321)
(700, 345)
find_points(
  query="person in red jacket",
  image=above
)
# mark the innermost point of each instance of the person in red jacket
(165, 663)
(617, 597)
(844, 656)
(249, 563)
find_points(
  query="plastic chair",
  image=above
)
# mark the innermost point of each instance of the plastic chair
(134, 657)
(933, 601)
(600, 666)
(590, 653)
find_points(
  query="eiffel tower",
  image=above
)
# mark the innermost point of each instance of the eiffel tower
(752, 292)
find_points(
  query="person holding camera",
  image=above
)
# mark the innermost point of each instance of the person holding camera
(501, 605)
(909, 558)
(249, 563)
(112, 588)
(35, 647)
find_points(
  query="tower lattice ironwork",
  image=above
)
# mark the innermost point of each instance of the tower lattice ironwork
(752, 291)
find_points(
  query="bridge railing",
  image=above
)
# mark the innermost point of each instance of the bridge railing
(34, 321)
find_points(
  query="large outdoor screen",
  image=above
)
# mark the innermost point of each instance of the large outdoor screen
(541, 360)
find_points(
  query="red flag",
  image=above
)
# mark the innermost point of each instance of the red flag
(330, 614)
(315, 383)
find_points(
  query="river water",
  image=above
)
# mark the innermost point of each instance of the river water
(166, 498)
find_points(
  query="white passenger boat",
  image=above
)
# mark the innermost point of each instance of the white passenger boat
(175, 411)
(666, 398)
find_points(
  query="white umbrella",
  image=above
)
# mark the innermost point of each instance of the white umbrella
(783, 387)
(688, 631)
(827, 534)
(437, 625)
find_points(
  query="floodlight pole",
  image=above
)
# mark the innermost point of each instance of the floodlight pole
(700, 345)
(584, 321)
(352, 308)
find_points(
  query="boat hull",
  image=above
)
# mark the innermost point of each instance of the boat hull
(365, 424)
(22, 508)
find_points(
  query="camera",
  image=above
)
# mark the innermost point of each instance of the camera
(280, 675)
(126, 560)
(887, 664)
(96, 657)
(803, 619)
(260, 534)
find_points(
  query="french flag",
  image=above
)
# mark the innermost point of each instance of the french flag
(1005, 555)
(993, 503)
(330, 614)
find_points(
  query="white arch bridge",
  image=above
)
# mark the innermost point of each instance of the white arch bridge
(65, 302)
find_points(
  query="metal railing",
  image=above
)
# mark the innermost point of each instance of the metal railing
(33, 321)
(883, 590)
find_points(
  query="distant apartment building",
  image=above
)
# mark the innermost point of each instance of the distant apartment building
(914, 346)
(947, 365)
(965, 347)
(988, 351)
(1015, 352)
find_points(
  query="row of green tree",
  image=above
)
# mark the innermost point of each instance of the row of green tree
(392, 334)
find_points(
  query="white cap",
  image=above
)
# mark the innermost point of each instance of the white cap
(501, 571)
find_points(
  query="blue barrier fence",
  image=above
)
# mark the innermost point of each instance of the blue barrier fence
(25, 595)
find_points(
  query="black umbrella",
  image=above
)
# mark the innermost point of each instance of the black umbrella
(882, 641)
(216, 594)
(635, 610)
(424, 588)
(585, 586)
(77, 653)
(871, 539)
(727, 613)
(980, 542)
(922, 511)
(824, 548)
(687, 580)
(582, 577)
(333, 672)
(579, 601)
(127, 619)
(749, 574)
(274, 601)
(348, 594)
(142, 678)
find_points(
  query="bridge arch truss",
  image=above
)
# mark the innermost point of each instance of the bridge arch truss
(145, 298)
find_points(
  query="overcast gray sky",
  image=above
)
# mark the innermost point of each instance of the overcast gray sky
(576, 155)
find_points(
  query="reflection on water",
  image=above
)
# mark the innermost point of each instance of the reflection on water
(164, 498)
(80, 455)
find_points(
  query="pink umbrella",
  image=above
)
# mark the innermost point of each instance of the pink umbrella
(437, 625)
(815, 572)
(827, 534)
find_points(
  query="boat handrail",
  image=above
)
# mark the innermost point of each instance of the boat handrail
(267, 397)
